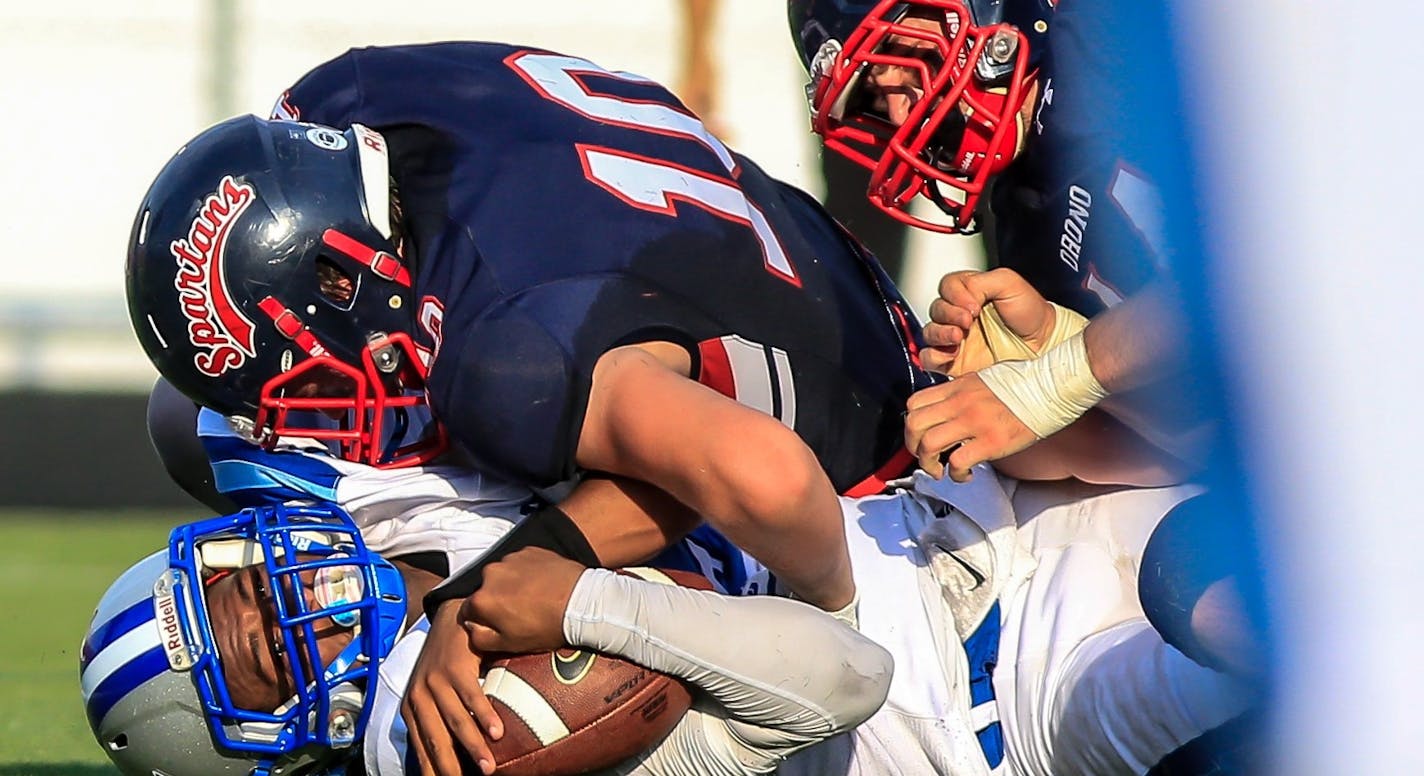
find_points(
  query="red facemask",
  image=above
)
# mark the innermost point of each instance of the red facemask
(375, 417)
(960, 131)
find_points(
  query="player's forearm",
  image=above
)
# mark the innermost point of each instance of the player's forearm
(736, 650)
(772, 499)
(625, 521)
(1137, 342)
(743, 471)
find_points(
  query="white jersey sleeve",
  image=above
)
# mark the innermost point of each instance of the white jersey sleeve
(448, 509)
(796, 675)
(800, 677)
(1085, 685)
(385, 748)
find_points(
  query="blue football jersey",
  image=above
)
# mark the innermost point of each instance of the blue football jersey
(556, 210)
(1076, 214)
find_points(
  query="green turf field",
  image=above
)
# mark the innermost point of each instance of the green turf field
(53, 568)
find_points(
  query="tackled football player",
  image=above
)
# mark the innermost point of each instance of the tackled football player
(1078, 688)
(275, 640)
(574, 272)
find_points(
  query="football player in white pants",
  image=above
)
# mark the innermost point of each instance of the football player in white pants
(1082, 684)
(425, 517)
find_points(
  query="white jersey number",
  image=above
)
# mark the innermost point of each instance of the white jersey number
(646, 183)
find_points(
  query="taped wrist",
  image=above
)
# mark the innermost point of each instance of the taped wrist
(1050, 391)
(548, 528)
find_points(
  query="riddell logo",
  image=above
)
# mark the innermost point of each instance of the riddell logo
(218, 329)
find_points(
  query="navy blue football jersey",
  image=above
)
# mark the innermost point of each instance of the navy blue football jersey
(1075, 214)
(556, 210)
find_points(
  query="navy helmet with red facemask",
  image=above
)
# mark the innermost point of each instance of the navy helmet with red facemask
(973, 62)
(264, 281)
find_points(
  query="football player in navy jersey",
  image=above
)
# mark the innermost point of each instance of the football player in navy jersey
(1006, 113)
(1015, 114)
(574, 272)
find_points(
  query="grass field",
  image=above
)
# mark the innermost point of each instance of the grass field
(53, 568)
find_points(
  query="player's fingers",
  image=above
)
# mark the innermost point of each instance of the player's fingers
(932, 466)
(961, 461)
(468, 610)
(918, 422)
(926, 397)
(935, 463)
(941, 437)
(482, 712)
(925, 428)
(943, 335)
(945, 313)
(994, 284)
(428, 734)
(460, 721)
(930, 444)
(954, 289)
(929, 460)
(417, 743)
(479, 708)
(938, 359)
(483, 639)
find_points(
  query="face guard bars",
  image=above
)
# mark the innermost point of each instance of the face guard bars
(963, 130)
(381, 411)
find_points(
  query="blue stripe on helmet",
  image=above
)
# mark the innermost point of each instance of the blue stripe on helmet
(121, 623)
(124, 681)
(299, 477)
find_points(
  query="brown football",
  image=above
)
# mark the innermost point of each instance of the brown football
(571, 711)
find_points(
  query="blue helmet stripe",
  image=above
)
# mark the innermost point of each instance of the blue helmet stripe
(124, 681)
(123, 622)
(304, 478)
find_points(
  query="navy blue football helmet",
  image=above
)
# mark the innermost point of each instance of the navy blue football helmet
(155, 679)
(973, 60)
(265, 280)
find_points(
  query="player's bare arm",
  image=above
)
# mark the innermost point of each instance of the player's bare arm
(1138, 342)
(743, 471)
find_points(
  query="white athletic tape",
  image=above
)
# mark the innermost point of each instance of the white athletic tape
(1050, 391)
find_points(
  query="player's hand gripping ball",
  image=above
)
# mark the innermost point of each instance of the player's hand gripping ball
(571, 711)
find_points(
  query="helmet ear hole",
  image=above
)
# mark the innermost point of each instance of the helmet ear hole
(119, 743)
(335, 284)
